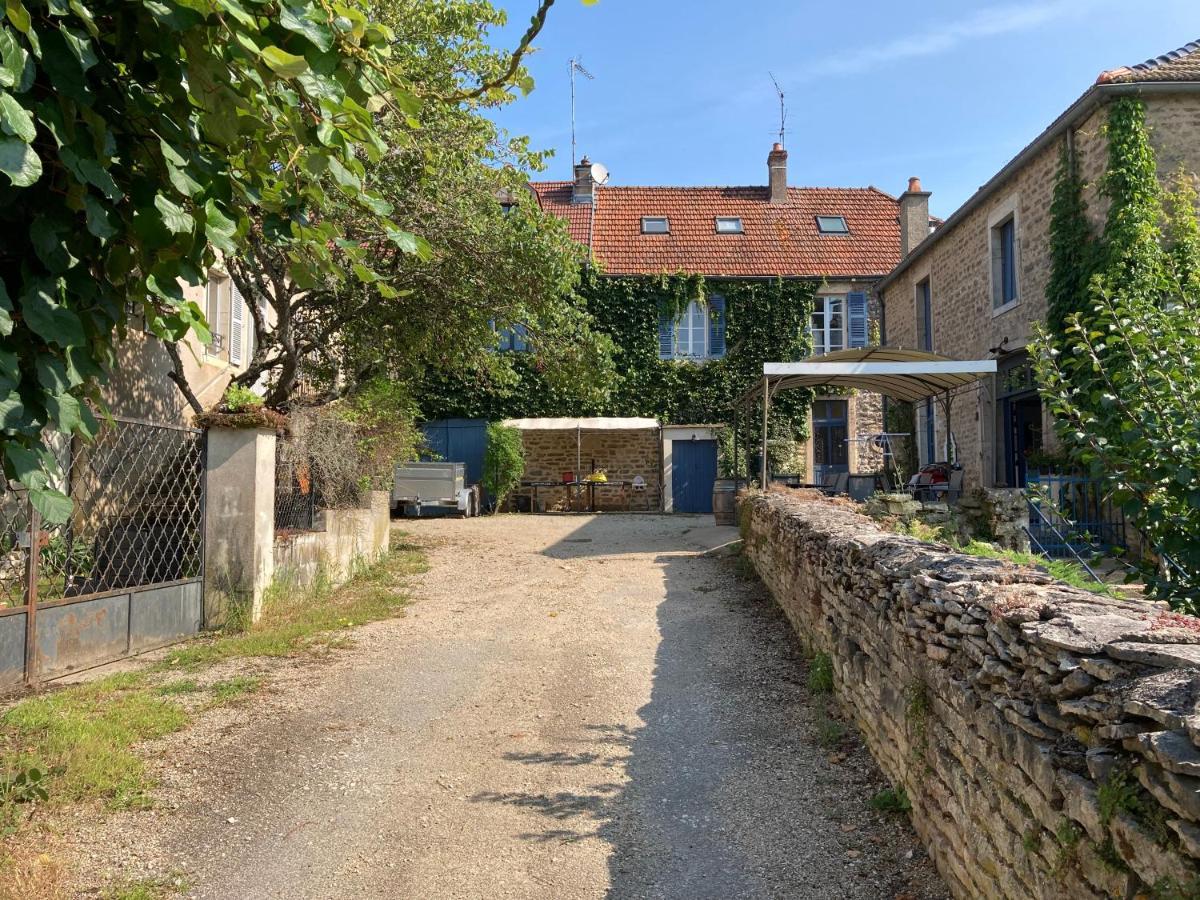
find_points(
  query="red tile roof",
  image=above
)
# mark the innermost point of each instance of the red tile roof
(1178, 65)
(777, 239)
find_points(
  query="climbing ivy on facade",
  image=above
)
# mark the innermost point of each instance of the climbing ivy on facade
(764, 319)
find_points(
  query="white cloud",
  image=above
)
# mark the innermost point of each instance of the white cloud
(945, 36)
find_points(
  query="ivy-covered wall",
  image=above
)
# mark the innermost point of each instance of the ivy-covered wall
(765, 320)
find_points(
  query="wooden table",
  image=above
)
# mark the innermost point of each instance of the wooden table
(578, 483)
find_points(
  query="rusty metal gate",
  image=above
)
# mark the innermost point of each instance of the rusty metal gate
(125, 573)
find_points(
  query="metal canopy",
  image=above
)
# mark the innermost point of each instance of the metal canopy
(907, 375)
(900, 374)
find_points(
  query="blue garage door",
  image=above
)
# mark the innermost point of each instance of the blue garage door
(693, 471)
(459, 440)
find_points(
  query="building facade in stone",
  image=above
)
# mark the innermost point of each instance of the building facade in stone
(843, 240)
(975, 286)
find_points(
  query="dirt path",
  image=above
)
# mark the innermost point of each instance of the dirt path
(574, 707)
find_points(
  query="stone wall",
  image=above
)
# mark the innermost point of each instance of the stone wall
(958, 266)
(344, 538)
(623, 455)
(1046, 736)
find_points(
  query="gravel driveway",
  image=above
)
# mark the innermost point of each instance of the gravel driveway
(573, 707)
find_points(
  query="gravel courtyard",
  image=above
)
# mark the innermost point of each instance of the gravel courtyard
(572, 707)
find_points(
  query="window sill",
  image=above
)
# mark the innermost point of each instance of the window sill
(1007, 307)
(690, 359)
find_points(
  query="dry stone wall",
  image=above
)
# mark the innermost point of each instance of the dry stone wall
(1046, 736)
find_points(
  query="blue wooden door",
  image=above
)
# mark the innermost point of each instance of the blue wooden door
(693, 471)
(459, 440)
(831, 453)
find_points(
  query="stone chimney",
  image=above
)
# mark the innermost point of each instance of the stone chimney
(585, 185)
(914, 216)
(777, 174)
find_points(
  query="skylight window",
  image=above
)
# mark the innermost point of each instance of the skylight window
(832, 225)
(729, 225)
(656, 225)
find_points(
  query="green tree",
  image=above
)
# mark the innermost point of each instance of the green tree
(481, 266)
(1121, 379)
(134, 137)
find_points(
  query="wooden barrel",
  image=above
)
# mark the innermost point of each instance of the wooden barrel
(724, 497)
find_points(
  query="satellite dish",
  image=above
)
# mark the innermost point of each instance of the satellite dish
(599, 173)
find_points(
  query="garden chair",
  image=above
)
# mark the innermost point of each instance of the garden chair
(921, 489)
(639, 490)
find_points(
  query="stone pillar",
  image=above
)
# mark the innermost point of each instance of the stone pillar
(239, 526)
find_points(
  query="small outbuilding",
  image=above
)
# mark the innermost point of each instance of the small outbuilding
(565, 456)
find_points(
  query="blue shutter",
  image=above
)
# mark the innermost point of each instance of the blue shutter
(856, 304)
(666, 335)
(520, 338)
(716, 327)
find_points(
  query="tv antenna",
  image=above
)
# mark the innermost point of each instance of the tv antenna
(782, 109)
(576, 66)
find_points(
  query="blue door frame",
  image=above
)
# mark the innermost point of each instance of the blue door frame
(693, 471)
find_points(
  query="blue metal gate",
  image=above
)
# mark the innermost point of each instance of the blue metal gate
(693, 471)
(459, 440)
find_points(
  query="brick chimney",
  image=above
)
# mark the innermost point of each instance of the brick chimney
(585, 185)
(914, 216)
(777, 174)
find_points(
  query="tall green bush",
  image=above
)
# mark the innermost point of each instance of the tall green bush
(503, 462)
(1122, 379)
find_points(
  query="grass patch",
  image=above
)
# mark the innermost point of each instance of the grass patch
(820, 674)
(145, 889)
(295, 619)
(830, 732)
(177, 687)
(233, 689)
(891, 800)
(1064, 570)
(84, 734)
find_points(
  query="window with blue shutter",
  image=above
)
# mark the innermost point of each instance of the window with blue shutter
(856, 314)
(666, 334)
(716, 327)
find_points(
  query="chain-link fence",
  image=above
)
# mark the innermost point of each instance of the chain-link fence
(124, 571)
(137, 517)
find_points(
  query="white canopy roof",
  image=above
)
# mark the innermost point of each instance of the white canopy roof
(899, 374)
(602, 423)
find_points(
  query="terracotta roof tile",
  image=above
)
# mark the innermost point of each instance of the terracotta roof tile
(1178, 65)
(555, 197)
(777, 239)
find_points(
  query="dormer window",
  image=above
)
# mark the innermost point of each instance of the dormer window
(656, 225)
(832, 225)
(729, 225)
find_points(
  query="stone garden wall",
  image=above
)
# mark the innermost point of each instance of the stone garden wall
(1046, 736)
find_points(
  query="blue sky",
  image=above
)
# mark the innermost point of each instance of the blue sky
(876, 90)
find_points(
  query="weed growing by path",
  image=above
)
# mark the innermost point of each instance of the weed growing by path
(891, 800)
(820, 674)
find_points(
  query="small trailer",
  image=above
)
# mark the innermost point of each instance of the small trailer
(433, 488)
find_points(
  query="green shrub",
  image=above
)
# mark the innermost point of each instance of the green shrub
(891, 800)
(503, 462)
(240, 399)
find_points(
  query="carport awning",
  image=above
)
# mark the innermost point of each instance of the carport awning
(601, 423)
(899, 374)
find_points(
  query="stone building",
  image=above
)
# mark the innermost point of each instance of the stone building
(974, 287)
(843, 240)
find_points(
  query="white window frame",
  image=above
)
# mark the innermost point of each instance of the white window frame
(729, 225)
(218, 310)
(648, 228)
(998, 217)
(684, 342)
(825, 306)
